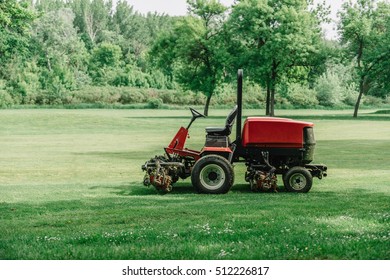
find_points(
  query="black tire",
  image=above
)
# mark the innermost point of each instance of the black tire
(298, 179)
(212, 174)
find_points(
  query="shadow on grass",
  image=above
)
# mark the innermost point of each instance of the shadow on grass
(118, 155)
(180, 188)
(137, 189)
(382, 112)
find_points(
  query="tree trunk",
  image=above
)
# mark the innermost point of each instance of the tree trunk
(267, 105)
(362, 78)
(272, 103)
(361, 91)
(48, 63)
(89, 23)
(206, 107)
(272, 83)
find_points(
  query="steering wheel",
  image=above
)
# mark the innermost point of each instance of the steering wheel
(196, 114)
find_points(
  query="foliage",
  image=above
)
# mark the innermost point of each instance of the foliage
(328, 88)
(302, 96)
(104, 64)
(55, 51)
(272, 37)
(192, 51)
(155, 103)
(91, 19)
(364, 28)
(5, 98)
(15, 22)
(61, 54)
(23, 81)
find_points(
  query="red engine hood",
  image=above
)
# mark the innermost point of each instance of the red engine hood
(273, 132)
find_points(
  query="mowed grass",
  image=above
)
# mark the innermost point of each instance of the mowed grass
(70, 188)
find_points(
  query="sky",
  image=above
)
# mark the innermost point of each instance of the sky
(179, 7)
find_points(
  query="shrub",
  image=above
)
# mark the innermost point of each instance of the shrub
(131, 95)
(5, 99)
(387, 99)
(372, 101)
(155, 103)
(226, 94)
(156, 79)
(350, 95)
(167, 97)
(97, 95)
(106, 54)
(301, 96)
(138, 79)
(197, 99)
(328, 89)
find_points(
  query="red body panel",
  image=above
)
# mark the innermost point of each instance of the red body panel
(179, 140)
(216, 150)
(273, 132)
(177, 145)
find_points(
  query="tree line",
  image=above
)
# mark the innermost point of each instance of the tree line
(100, 51)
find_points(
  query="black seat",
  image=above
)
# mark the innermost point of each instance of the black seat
(224, 131)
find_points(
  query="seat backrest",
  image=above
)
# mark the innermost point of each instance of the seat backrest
(231, 117)
(227, 129)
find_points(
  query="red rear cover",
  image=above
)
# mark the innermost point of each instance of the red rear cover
(273, 132)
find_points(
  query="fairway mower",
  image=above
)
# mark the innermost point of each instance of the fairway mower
(268, 146)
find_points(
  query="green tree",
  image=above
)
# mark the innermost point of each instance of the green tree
(193, 52)
(128, 25)
(15, 22)
(381, 56)
(91, 19)
(45, 6)
(380, 86)
(62, 55)
(364, 29)
(104, 63)
(270, 37)
(23, 80)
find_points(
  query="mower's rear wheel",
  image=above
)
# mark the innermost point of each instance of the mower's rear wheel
(298, 179)
(212, 174)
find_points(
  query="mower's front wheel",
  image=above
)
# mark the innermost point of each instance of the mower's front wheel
(298, 179)
(212, 174)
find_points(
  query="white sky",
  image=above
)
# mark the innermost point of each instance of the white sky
(179, 7)
(170, 7)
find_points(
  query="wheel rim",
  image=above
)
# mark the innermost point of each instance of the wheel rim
(298, 181)
(212, 176)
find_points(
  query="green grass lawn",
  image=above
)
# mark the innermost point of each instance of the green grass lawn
(70, 188)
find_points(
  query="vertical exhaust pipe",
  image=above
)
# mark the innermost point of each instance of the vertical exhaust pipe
(239, 105)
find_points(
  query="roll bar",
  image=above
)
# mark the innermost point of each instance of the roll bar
(240, 75)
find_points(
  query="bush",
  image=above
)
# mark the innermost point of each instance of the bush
(5, 99)
(167, 97)
(137, 78)
(328, 89)
(387, 100)
(131, 95)
(96, 95)
(350, 95)
(155, 103)
(302, 96)
(372, 101)
(226, 94)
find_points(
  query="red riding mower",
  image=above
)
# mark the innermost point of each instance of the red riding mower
(268, 146)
